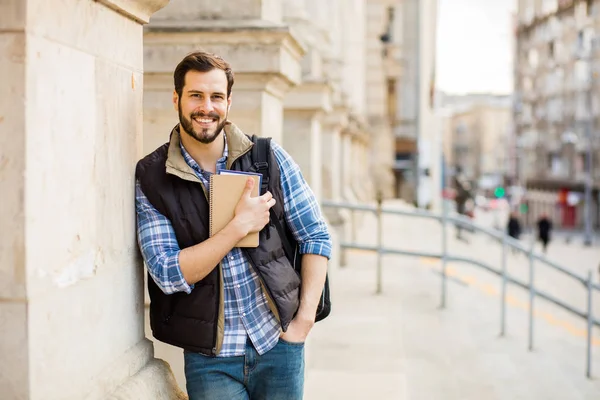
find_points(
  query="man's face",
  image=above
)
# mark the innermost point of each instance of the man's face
(203, 105)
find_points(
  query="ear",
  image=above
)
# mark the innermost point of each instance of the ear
(175, 101)
(228, 103)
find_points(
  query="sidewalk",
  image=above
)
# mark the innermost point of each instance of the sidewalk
(400, 345)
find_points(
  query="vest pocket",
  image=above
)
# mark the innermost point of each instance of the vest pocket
(200, 304)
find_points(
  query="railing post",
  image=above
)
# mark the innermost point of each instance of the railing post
(353, 224)
(504, 281)
(444, 252)
(590, 325)
(531, 293)
(379, 241)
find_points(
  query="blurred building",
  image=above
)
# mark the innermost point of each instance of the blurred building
(555, 99)
(477, 138)
(416, 125)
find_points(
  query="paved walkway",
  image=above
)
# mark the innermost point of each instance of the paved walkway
(400, 345)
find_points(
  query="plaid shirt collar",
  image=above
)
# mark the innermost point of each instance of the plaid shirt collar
(221, 162)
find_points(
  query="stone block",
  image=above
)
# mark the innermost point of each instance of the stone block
(87, 339)
(13, 15)
(139, 10)
(257, 112)
(302, 139)
(12, 166)
(14, 352)
(89, 27)
(185, 10)
(315, 96)
(150, 383)
(258, 51)
(86, 162)
(61, 156)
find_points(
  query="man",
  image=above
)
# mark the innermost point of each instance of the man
(514, 227)
(240, 315)
(463, 195)
(544, 226)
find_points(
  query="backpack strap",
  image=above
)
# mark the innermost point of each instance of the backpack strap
(260, 155)
(261, 152)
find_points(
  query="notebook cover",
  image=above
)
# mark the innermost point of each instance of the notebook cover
(225, 192)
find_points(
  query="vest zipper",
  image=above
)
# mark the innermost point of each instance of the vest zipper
(216, 331)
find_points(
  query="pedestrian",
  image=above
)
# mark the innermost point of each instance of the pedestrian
(464, 193)
(544, 226)
(240, 315)
(514, 227)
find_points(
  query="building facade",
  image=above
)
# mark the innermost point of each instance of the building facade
(416, 125)
(478, 138)
(557, 105)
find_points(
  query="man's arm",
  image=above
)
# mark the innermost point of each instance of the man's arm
(175, 270)
(314, 270)
(308, 226)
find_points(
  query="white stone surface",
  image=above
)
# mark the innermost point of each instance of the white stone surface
(186, 10)
(302, 140)
(71, 304)
(266, 63)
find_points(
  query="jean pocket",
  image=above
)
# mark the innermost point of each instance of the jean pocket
(296, 344)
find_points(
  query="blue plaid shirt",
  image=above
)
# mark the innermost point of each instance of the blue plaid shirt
(247, 313)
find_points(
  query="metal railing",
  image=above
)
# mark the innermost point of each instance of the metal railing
(507, 242)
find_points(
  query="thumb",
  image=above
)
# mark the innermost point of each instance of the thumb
(248, 188)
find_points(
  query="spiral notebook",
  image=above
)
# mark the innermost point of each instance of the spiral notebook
(226, 188)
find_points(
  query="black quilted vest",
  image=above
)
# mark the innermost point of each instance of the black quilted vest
(191, 321)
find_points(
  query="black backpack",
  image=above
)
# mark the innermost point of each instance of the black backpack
(260, 158)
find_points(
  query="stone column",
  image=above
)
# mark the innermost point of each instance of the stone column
(71, 296)
(304, 108)
(333, 125)
(347, 166)
(306, 104)
(264, 55)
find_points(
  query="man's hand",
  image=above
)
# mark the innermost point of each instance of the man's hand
(298, 330)
(252, 213)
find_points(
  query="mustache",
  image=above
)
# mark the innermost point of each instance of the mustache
(204, 115)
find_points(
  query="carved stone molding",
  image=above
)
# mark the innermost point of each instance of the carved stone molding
(138, 10)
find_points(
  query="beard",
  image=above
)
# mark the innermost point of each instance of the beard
(204, 135)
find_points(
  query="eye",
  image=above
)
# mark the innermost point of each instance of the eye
(217, 96)
(196, 95)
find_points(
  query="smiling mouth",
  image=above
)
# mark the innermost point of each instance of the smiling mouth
(204, 120)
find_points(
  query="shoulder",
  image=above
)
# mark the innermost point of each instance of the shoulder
(155, 159)
(283, 158)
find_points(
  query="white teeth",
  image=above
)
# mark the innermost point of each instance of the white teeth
(204, 120)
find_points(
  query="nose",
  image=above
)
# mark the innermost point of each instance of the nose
(206, 106)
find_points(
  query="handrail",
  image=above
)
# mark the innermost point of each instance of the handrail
(465, 222)
(445, 218)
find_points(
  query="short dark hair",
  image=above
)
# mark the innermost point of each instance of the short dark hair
(201, 61)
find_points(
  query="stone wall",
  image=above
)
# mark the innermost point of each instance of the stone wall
(71, 298)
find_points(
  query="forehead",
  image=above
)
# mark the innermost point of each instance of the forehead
(213, 80)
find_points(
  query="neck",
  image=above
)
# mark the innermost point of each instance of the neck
(206, 155)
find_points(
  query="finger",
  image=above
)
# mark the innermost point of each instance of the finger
(271, 203)
(248, 189)
(267, 196)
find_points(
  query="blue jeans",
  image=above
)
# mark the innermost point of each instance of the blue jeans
(276, 375)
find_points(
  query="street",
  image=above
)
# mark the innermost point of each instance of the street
(400, 345)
